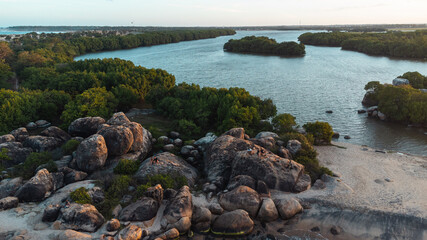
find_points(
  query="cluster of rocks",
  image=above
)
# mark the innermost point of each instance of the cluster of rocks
(240, 173)
(375, 113)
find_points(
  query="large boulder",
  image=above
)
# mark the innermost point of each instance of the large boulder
(141, 210)
(242, 197)
(92, 153)
(233, 223)
(130, 232)
(72, 175)
(400, 81)
(36, 188)
(278, 173)
(288, 207)
(138, 136)
(268, 211)
(84, 127)
(179, 210)
(20, 134)
(266, 134)
(265, 142)
(169, 164)
(8, 202)
(7, 138)
(155, 192)
(242, 180)
(293, 146)
(81, 217)
(56, 132)
(235, 132)
(119, 139)
(205, 141)
(201, 219)
(51, 213)
(147, 140)
(220, 155)
(369, 99)
(16, 151)
(9, 186)
(42, 143)
(118, 118)
(303, 184)
(73, 235)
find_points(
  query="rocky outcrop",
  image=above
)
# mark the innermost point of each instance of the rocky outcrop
(179, 211)
(400, 81)
(36, 188)
(72, 175)
(16, 151)
(84, 127)
(42, 143)
(266, 134)
(233, 223)
(92, 153)
(81, 217)
(205, 141)
(288, 207)
(278, 173)
(155, 193)
(268, 211)
(166, 163)
(20, 134)
(141, 210)
(242, 197)
(57, 133)
(119, 139)
(9, 186)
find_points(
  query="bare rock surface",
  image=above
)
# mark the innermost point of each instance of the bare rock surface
(92, 153)
(81, 217)
(84, 127)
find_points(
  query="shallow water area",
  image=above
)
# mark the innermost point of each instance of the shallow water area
(326, 78)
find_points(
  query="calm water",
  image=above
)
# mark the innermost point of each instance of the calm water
(325, 79)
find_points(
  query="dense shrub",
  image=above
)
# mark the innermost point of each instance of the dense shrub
(321, 131)
(34, 160)
(70, 146)
(119, 186)
(126, 167)
(4, 158)
(167, 181)
(416, 80)
(283, 123)
(81, 196)
(312, 167)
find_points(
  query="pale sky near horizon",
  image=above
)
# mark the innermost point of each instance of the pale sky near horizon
(210, 12)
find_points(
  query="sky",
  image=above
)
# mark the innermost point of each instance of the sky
(210, 12)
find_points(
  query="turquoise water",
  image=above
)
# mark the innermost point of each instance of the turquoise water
(325, 79)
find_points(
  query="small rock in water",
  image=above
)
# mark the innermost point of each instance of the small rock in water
(336, 135)
(315, 229)
(329, 111)
(347, 137)
(388, 180)
(361, 111)
(380, 151)
(365, 149)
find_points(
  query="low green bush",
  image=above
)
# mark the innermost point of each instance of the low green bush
(283, 123)
(34, 160)
(81, 196)
(174, 181)
(321, 131)
(70, 146)
(126, 167)
(4, 158)
(119, 186)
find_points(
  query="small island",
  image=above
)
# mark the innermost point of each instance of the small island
(266, 46)
(405, 101)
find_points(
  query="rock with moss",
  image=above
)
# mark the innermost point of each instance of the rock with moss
(166, 164)
(16, 152)
(234, 223)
